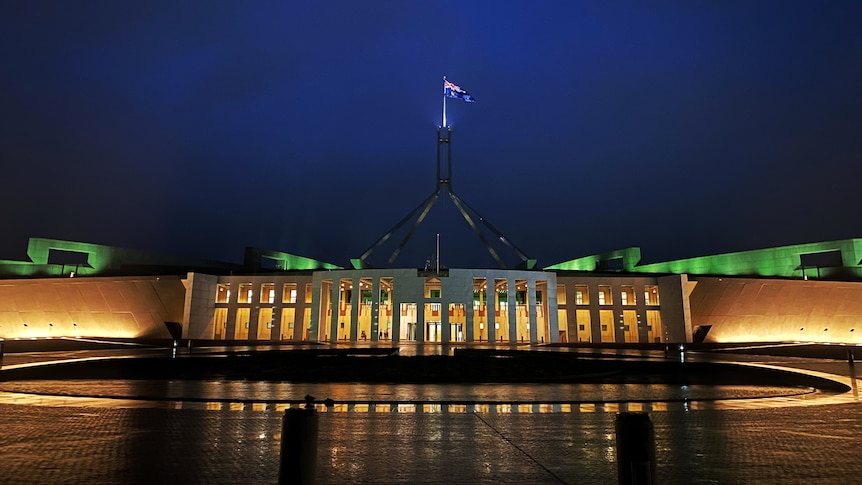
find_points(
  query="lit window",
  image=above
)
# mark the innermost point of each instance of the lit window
(223, 293)
(245, 293)
(605, 295)
(288, 294)
(627, 295)
(651, 295)
(267, 293)
(582, 295)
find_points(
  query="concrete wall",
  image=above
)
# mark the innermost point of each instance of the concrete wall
(751, 310)
(675, 307)
(90, 306)
(199, 306)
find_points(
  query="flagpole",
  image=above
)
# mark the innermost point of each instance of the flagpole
(444, 101)
(438, 253)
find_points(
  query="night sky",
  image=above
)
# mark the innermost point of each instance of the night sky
(200, 128)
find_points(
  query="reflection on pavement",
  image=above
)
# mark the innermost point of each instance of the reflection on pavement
(410, 398)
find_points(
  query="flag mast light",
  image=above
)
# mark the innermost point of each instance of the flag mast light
(444, 101)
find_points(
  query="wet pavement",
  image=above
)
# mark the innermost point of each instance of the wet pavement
(805, 439)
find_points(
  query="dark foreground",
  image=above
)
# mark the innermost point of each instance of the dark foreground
(42, 445)
(761, 444)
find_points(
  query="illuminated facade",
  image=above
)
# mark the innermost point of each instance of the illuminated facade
(809, 292)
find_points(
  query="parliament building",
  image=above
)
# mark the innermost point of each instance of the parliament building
(800, 293)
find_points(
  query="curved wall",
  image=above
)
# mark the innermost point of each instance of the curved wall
(763, 310)
(90, 307)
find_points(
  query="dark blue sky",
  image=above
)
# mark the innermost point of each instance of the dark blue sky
(200, 128)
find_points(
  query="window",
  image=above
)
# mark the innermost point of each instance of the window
(582, 295)
(223, 293)
(651, 295)
(561, 294)
(521, 292)
(267, 293)
(605, 295)
(432, 287)
(288, 293)
(245, 293)
(627, 295)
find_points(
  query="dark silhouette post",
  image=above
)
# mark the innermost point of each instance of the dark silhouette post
(635, 449)
(298, 461)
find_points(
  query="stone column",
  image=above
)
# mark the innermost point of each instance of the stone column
(490, 308)
(232, 303)
(356, 301)
(254, 311)
(375, 308)
(640, 308)
(396, 312)
(531, 309)
(513, 313)
(333, 310)
(595, 320)
(275, 331)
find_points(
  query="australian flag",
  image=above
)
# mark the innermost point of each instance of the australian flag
(452, 90)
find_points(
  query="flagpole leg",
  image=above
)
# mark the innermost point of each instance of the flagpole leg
(444, 111)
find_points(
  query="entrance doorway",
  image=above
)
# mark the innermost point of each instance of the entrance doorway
(433, 331)
(456, 332)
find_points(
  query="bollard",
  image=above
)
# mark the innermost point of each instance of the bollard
(298, 461)
(635, 449)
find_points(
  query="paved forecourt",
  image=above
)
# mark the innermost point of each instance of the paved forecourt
(803, 440)
(44, 444)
